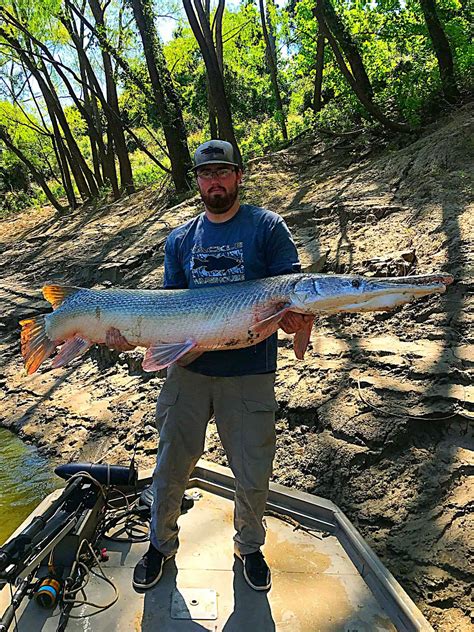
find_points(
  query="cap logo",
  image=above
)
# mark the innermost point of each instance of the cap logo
(212, 150)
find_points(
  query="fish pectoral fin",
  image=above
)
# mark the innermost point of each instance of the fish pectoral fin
(270, 323)
(72, 348)
(160, 356)
(302, 338)
(189, 357)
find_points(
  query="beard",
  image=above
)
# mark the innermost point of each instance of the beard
(219, 201)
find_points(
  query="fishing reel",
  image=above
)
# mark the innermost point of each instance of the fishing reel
(48, 592)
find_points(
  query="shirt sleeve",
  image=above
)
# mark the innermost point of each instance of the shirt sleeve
(282, 256)
(174, 277)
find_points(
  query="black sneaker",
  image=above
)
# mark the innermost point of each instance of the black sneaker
(256, 572)
(149, 569)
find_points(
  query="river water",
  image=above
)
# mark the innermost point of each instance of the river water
(25, 478)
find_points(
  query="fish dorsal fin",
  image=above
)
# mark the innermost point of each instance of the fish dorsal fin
(56, 294)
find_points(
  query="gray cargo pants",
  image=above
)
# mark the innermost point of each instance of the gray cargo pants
(244, 408)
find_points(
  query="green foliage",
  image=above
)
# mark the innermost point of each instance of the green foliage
(397, 53)
(15, 193)
(25, 132)
(12, 202)
(14, 177)
(391, 36)
(146, 172)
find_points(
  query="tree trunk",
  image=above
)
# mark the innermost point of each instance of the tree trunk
(126, 176)
(63, 163)
(217, 30)
(442, 49)
(84, 109)
(347, 45)
(318, 80)
(34, 172)
(82, 174)
(58, 148)
(203, 35)
(272, 66)
(362, 87)
(210, 103)
(106, 153)
(166, 99)
(96, 92)
(96, 141)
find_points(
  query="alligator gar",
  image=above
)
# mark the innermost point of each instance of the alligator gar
(179, 325)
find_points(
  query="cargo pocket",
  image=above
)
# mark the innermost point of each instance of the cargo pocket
(258, 438)
(253, 406)
(166, 399)
(258, 393)
(258, 433)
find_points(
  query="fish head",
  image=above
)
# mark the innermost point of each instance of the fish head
(326, 293)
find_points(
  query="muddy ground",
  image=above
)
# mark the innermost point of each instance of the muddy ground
(378, 417)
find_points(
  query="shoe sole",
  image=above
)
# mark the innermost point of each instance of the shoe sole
(267, 587)
(155, 581)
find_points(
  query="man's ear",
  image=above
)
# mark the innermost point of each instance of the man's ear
(240, 176)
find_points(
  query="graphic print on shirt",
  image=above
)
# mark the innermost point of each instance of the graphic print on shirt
(218, 264)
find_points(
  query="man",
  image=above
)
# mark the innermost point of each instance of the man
(228, 242)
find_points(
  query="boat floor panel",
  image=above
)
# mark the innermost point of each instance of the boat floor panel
(316, 588)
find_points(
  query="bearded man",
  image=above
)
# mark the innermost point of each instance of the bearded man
(227, 242)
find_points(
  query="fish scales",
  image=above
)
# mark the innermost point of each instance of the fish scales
(147, 316)
(180, 324)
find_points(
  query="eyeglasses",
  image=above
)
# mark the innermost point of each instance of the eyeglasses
(208, 174)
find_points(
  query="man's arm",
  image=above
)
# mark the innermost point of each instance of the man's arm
(283, 258)
(174, 277)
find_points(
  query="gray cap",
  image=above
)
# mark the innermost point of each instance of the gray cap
(215, 152)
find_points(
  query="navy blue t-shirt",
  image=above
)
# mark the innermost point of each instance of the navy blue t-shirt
(253, 244)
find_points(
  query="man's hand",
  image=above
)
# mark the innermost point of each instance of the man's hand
(114, 340)
(293, 322)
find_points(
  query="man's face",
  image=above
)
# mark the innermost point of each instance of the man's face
(219, 186)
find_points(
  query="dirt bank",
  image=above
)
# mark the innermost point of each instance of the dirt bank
(377, 418)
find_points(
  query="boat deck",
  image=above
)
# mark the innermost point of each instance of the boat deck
(325, 577)
(315, 585)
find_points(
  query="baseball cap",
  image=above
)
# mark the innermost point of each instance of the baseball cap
(215, 152)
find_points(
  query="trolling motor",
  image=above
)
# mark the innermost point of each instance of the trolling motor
(81, 493)
(103, 473)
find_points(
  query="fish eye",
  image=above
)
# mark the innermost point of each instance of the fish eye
(355, 283)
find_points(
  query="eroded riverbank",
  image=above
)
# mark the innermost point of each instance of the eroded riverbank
(378, 417)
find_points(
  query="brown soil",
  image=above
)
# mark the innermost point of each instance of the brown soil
(378, 417)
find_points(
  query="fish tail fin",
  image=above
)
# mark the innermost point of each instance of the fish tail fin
(35, 344)
(56, 294)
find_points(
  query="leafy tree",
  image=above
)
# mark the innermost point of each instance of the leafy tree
(166, 98)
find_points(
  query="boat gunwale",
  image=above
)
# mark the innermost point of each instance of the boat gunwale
(311, 511)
